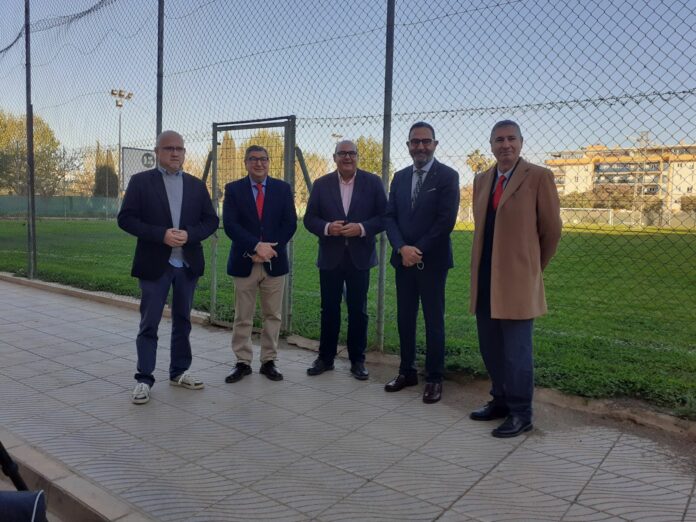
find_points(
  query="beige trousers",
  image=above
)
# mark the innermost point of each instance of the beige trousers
(271, 290)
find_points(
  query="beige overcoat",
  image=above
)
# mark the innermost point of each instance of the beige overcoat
(526, 234)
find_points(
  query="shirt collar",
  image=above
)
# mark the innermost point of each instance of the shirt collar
(165, 173)
(425, 168)
(254, 183)
(350, 181)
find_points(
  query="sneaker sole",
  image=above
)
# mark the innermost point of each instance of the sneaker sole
(188, 386)
(140, 401)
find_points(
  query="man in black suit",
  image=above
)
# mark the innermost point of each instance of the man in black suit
(259, 217)
(345, 212)
(170, 213)
(422, 210)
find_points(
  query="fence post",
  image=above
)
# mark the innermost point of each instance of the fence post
(386, 153)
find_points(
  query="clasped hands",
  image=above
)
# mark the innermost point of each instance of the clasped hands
(264, 252)
(175, 237)
(345, 229)
(410, 255)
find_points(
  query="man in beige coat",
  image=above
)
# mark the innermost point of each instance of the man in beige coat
(517, 229)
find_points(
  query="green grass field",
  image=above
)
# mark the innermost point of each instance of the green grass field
(622, 304)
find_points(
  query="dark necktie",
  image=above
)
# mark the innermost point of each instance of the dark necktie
(259, 199)
(419, 184)
(499, 188)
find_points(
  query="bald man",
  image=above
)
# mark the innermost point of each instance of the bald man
(170, 212)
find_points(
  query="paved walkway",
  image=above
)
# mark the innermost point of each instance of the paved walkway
(323, 448)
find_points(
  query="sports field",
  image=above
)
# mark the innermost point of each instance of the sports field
(622, 304)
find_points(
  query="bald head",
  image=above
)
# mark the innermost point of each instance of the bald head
(170, 150)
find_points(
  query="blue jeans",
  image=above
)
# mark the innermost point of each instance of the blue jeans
(152, 301)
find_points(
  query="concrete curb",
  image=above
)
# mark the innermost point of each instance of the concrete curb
(68, 495)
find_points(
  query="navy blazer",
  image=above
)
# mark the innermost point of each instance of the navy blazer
(427, 225)
(145, 213)
(367, 207)
(244, 228)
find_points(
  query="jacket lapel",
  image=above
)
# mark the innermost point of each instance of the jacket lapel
(428, 183)
(483, 195)
(161, 193)
(515, 181)
(357, 193)
(336, 194)
(248, 195)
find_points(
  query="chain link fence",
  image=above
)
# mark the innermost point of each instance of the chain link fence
(604, 91)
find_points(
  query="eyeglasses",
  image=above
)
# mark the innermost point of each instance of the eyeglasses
(414, 142)
(256, 159)
(174, 149)
(344, 153)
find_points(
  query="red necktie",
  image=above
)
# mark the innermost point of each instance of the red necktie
(498, 192)
(259, 199)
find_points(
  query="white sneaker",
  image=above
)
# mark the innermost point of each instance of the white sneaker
(141, 393)
(187, 380)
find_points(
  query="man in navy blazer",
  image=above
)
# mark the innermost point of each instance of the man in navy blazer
(170, 213)
(345, 211)
(421, 213)
(259, 217)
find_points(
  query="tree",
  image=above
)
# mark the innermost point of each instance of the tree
(370, 155)
(316, 166)
(51, 163)
(105, 177)
(614, 196)
(479, 162)
(688, 203)
(577, 200)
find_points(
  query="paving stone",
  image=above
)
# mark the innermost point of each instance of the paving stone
(247, 505)
(632, 499)
(495, 499)
(309, 486)
(376, 502)
(429, 479)
(249, 460)
(365, 456)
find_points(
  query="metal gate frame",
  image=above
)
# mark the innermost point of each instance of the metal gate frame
(288, 124)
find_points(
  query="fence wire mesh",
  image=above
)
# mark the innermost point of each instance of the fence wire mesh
(604, 92)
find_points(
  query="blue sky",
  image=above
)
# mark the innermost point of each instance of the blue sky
(572, 73)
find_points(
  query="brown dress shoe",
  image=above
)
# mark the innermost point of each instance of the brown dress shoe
(400, 382)
(432, 392)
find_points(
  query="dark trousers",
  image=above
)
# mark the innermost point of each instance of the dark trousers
(426, 287)
(357, 283)
(506, 348)
(152, 301)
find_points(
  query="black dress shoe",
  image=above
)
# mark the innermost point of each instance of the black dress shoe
(359, 371)
(490, 411)
(319, 366)
(512, 427)
(400, 382)
(240, 370)
(269, 370)
(432, 392)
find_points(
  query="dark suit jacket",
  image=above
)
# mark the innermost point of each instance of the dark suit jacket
(366, 207)
(429, 223)
(145, 213)
(244, 228)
